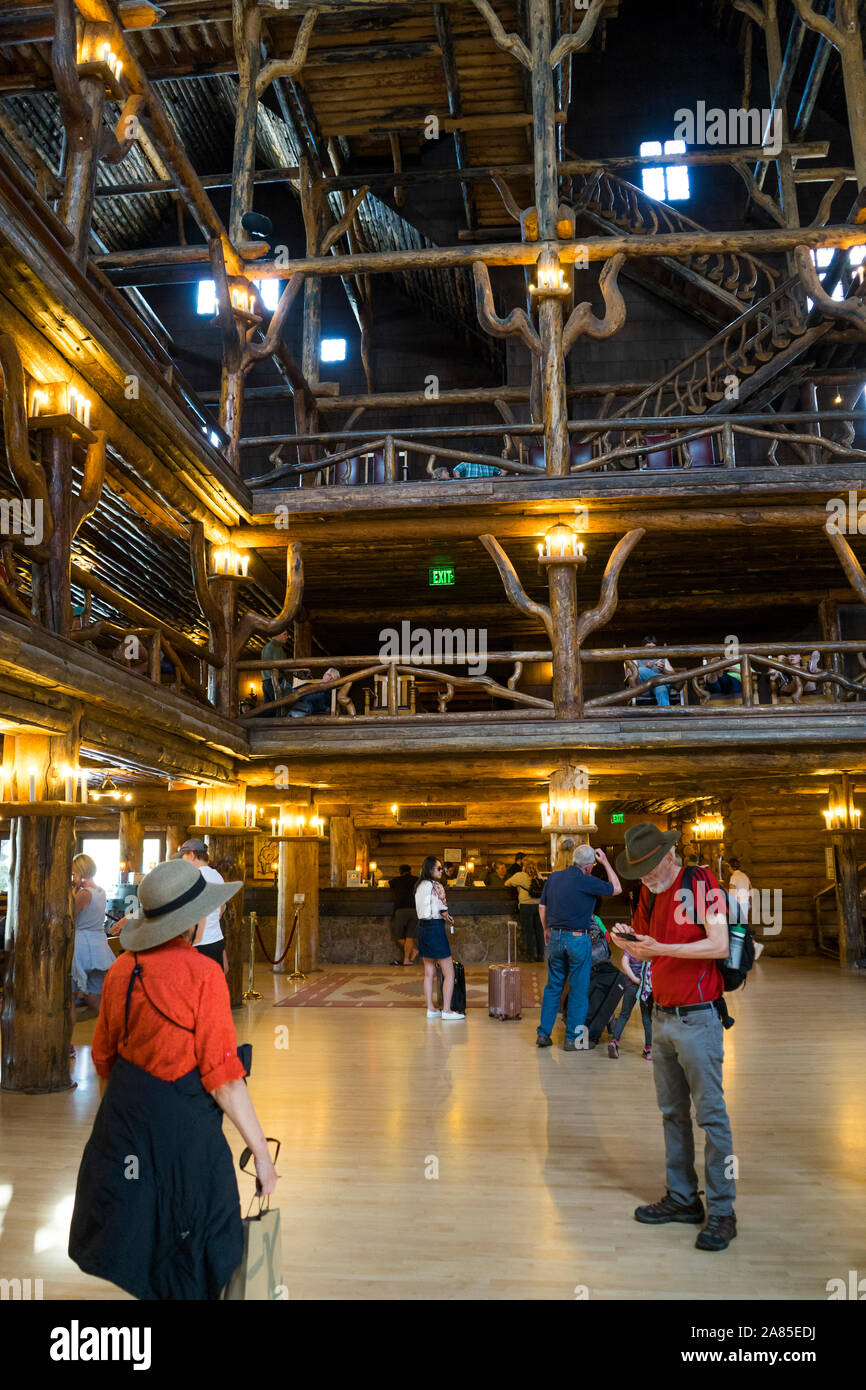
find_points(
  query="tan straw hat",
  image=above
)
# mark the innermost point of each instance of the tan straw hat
(645, 848)
(171, 899)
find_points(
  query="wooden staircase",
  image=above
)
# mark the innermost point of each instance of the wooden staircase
(715, 287)
(737, 362)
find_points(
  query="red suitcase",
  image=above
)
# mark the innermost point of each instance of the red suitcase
(503, 985)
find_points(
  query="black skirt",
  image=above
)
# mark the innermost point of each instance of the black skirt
(157, 1209)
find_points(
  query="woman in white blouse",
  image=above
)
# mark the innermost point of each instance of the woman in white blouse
(432, 911)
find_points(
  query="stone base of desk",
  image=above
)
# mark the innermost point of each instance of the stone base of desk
(368, 941)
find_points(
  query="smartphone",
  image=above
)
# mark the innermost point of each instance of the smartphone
(624, 936)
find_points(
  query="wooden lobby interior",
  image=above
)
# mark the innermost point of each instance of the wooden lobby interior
(415, 331)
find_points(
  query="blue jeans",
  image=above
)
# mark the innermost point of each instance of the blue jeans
(661, 692)
(571, 956)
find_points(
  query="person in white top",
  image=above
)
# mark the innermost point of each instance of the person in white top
(740, 891)
(209, 934)
(432, 912)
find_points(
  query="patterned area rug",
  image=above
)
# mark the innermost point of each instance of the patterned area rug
(398, 989)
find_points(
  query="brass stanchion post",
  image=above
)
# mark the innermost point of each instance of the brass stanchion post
(251, 992)
(297, 974)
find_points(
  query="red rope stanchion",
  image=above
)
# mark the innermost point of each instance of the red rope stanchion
(270, 959)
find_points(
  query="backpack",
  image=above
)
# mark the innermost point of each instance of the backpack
(598, 938)
(733, 977)
(536, 888)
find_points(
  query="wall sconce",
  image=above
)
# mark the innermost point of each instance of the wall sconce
(568, 813)
(708, 828)
(550, 278)
(95, 57)
(61, 406)
(561, 546)
(838, 816)
(228, 563)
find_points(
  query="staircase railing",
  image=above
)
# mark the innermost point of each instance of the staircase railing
(630, 209)
(719, 366)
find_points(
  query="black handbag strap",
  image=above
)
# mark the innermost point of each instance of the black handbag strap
(138, 975)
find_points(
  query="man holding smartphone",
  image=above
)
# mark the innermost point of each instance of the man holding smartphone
(683, 936)
(566, 907)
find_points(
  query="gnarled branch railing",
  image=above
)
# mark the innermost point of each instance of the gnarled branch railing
(674, 437)
(420, 668)
(751, 660)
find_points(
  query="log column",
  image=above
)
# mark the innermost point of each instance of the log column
(131, 836)
(76, 205)
(341, 834)
(299, 873)
(848, 847)
(174, 838)
(36, 1024)
(228, 856)
(554, 405)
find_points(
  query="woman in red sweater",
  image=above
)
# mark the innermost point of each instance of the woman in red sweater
(157, 1209)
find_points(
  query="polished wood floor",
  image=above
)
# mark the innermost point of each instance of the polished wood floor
(541, 1156)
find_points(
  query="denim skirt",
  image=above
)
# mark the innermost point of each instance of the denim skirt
(433, 939)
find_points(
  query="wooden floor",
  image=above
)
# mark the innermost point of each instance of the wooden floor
(541, 1156)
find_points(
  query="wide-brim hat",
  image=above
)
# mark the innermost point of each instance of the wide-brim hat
(645, 848)
(172, 898)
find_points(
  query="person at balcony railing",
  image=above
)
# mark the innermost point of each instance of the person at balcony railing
(441, 474)
(274, 681)
(647, 668)
(477, 470)
(318, 701)
(787, 684)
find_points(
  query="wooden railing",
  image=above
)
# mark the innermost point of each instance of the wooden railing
(444, 683)
(765, 665)
(622, 443)
(771, 674)
(614, 200)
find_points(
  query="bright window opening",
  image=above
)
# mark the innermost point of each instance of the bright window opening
(333, 350)
(670, 183)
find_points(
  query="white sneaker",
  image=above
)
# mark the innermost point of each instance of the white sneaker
(434, 1013)
(451, 1015)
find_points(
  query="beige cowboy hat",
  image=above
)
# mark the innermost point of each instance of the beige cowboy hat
(171, 899)
(645, 848)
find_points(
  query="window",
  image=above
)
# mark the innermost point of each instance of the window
(822, 258)
(206, 303)
(668, 184)
(333, 350)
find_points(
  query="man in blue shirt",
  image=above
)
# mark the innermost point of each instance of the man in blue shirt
(566, 908)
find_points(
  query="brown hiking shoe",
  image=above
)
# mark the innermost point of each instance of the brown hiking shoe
(718, 1233)
(668, 1209)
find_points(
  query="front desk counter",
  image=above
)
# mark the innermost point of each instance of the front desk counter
(355, 923)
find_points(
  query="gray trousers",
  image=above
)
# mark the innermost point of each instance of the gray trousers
(688, 1051)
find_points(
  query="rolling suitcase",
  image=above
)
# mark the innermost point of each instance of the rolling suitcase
(503, 985)
(458, 994)
(606, 988)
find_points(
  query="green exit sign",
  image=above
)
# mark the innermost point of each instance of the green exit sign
(617, 818)
(441, 576)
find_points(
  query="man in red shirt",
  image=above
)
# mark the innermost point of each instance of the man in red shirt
(684, 934)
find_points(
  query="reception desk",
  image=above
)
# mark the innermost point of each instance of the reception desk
(355, 923)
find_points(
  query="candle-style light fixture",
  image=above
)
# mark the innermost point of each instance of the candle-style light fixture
(60, 406)
(708, 828)
(841, 813)
(568, 806)
(550, 278)
(561, 545)
(227, 562)
(96, 57)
